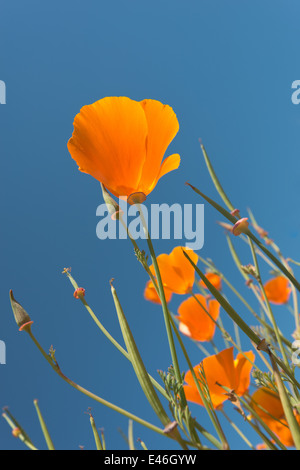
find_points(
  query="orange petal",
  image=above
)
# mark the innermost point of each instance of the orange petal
(214, 279)
(220, 369)
(169, 164)
(278, 290)
(176, 271)
(266, 399)
(109, 143)
(194, 321)
(268, 406)
(243, 370)
(162, 128)
(151, 294)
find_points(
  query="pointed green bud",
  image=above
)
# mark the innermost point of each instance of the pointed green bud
(21, 316)
(112, 206)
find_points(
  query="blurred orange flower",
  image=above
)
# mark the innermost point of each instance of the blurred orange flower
(193, 319)
(277, 290)
(214, 279)
(176, 271)
(273, 414)
(151, 294)
(224, 369)
(121, 143)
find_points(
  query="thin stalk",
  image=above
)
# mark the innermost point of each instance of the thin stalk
(235, 317)
(233, 220)
(287, 407)
(164, 303)
(91, 395)
(110, 338)
(274, 324)
(237, 429)
(96, 434)
(23, 436)
(45, 431)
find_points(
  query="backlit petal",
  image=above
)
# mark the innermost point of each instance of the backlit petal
(151, 294)
(214, 279)
(162, 128)
(243, 368)
(277, 290)
(109, 143)
(194, 321)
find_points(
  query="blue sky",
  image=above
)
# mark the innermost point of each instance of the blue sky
(226, 68)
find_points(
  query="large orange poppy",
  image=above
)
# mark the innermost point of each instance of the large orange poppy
(122, 142)
(177, 273)
(194, 322)
(221, 369)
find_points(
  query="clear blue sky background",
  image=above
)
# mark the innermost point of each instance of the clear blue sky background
(226, 68)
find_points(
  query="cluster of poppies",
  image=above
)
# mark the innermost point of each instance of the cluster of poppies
(121, 143)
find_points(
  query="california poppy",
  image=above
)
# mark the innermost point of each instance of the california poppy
(122, 142)
(176, 271)
(221, 369)
(266, 403)
(214, 279)
(151, 294)
(277, 290)
(193, 319)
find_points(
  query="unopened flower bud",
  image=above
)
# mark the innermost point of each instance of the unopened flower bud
(79, 293)
(21, 316)
(16, 432)
(112, 206)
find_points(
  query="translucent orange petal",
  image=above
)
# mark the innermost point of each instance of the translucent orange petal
(109, 143)
(218, 368)
(170, 276)
(222, 369)
(273, 415)
(169, 164)
(194, 321)
(265, 399)
(278, 290)
(243, 370)
(162, 128)
(182, 265)
(214, 279)
(176, 271)
(151, 295)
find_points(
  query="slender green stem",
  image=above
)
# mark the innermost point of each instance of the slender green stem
(235, 317)
(287, 407)
(237, 429)
(12, 422)
(163, 302)
(233, 220)
(91, 395)
(110, 338)
(45, 431)
(274, 324)
(96, 434)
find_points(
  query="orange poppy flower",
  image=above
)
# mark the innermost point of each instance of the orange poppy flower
(176, 271)
(121, 143)
(214, 279)
(272, 414)
(151, 294)
(224, 369)
(193, 319)
(277, 290)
